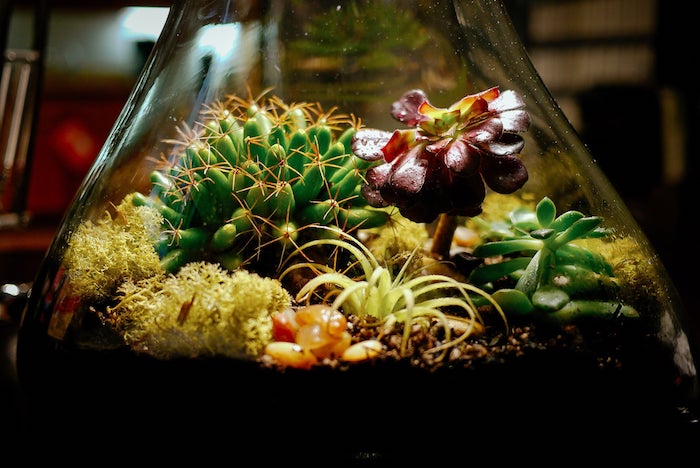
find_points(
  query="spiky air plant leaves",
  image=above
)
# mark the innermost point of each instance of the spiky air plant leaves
(371, 289)
(444, 163)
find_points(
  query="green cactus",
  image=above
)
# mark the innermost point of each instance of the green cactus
(256, 174)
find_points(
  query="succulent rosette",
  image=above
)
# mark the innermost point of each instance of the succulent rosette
(444, 163)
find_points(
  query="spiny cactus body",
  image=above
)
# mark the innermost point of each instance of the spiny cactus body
(253, 177)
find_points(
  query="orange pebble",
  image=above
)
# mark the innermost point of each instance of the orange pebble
(332, 320)
(363, 350)
(291, 354)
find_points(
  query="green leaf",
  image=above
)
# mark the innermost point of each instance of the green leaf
(601, 309)
(512, 301)
(572, 254)
(600, 233)
(506, 247)
(488, 273)
(550, 298)
(566, 219)
(524, 219)
(543, 234)
(578, 230)
(546, 211)
(532, 277)
(578, 281)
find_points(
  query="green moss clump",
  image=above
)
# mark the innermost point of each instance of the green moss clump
(397, 237)
(203, 310)
(102, 255)
(397, 242)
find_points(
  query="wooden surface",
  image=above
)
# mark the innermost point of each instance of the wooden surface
(22, 250)
(30, 240)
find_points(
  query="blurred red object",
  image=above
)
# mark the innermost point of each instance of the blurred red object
(69, 136)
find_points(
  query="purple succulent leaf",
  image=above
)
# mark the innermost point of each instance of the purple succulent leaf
(467, 211)
(515, 120)
(436, 147)
(375, 179)
(508, 144)
(461, 158)
(422, 212)
(465, 194)
(373, 197)
(503, 174)
(367, 143)
(377, 176)
(453, 195)
(507, 100)
(425, 206)
(406, 108)
(509, 107)
(410, 172)
(485, 132)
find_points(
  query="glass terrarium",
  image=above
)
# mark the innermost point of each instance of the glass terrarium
(341, 224)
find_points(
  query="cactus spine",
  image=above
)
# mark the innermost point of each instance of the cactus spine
(255, 174)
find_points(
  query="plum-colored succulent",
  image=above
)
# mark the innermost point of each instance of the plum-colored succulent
(445, 161)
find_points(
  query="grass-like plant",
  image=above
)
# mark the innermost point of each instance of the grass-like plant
(369, 289)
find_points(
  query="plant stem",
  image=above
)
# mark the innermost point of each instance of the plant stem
(442, 237)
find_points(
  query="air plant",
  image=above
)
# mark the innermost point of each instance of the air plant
(550, 274)
(368, 289)
(442, 165)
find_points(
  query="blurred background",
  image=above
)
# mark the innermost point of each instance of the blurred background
(619, 70)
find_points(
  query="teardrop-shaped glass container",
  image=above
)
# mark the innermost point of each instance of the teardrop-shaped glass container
(317, 222)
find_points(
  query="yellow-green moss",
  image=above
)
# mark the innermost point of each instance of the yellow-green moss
(102, 255)
(631, 267)
(497, 206)
(203, 310)
(398, 241)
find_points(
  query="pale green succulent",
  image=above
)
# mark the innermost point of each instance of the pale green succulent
(550, 274)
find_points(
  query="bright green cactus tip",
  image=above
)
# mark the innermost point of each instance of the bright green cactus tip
(254, 175)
